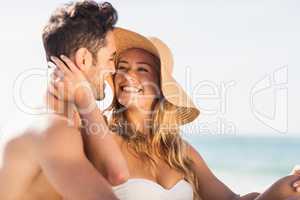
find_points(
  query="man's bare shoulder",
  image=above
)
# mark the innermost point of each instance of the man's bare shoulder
(34, 127)
(35, 133)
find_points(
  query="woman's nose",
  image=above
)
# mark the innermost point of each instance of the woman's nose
(131, 76)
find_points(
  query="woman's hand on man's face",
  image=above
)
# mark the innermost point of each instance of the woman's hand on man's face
(69, 83)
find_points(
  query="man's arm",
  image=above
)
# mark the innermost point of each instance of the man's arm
(17, 166)
(61, 156)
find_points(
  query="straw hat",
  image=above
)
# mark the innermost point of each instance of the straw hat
(186, 110)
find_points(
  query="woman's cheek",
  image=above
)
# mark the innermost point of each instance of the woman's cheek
(151, 87)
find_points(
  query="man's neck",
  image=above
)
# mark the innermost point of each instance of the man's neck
(63, 108)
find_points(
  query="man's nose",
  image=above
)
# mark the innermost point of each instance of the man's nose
(110, 81)
(112, 68)
(108, 71)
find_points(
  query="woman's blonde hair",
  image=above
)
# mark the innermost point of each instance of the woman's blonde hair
(164, 140)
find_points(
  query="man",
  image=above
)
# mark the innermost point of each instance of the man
(48, 160)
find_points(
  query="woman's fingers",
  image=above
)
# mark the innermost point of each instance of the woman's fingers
(61, 65)
(53, 90)
(70, 63)
(57, 75)
(59, 84)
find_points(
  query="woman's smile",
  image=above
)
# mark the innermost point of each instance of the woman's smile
(131, 89)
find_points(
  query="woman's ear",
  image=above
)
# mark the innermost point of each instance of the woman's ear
(83, 58)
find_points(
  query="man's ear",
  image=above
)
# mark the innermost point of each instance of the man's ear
(83, 58)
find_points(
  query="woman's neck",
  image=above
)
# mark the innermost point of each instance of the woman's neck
(140, 120)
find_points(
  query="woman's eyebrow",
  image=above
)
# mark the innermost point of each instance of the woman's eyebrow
(123, 61)
(144, 63)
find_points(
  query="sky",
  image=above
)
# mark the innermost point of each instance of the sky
(239, 60)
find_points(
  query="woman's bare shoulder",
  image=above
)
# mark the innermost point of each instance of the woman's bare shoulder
(194, 154)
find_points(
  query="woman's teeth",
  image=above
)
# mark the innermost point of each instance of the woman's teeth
(131, 89)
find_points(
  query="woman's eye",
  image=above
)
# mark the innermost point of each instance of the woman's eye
(142, 69)
(122, 68)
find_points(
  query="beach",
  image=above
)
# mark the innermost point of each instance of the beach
(248, 163)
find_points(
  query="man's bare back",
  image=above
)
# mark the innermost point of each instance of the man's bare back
(37, 159)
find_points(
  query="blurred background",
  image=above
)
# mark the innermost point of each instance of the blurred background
(239, 60)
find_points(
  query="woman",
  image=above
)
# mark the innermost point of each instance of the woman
(148, 109)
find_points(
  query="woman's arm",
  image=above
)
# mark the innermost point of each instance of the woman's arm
(99, 144)
(102, 149)
(210, 187)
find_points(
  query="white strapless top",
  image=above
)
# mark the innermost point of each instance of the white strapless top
(144, 189)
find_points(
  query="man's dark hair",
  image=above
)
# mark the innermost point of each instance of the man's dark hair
(76, 25)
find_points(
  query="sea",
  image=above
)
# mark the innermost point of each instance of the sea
(248, 163)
